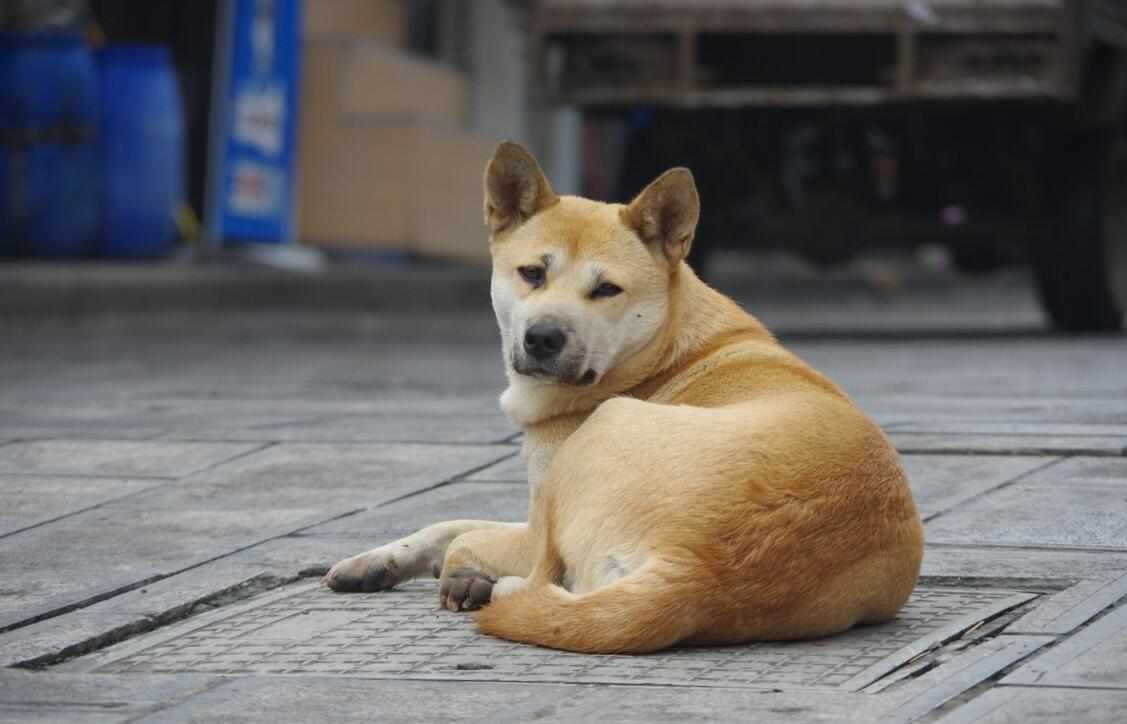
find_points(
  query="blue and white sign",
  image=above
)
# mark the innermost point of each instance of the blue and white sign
(254, 122)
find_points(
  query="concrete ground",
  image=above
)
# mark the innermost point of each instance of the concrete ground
(179, 462)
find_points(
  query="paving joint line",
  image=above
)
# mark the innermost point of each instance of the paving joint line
(947, 433)
(207, 688)
(1010, 546)
(106, 595)
(1002, 486)
(271, 442)
(1082, 687)
(460, 477)
(161, 482)
(91, 476)
(1015, 452)
(87, 509)
(246, 453)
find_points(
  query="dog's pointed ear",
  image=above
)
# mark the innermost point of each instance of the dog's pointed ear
(665, 214)
(515, 187)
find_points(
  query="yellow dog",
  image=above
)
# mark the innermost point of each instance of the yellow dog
(692, 482)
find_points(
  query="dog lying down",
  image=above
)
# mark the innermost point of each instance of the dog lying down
(692, 482)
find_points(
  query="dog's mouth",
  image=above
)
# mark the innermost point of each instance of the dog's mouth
(553, 371)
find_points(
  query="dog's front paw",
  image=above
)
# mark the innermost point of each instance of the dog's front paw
(465, 589)
(364, 573)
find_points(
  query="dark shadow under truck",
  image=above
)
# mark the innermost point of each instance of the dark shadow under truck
(995, 127)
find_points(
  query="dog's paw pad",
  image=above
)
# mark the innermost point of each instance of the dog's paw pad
(363, 574)
(465, 589)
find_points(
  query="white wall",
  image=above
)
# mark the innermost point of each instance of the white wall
(500, 102)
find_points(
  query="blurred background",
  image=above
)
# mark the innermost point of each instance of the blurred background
(918, 159)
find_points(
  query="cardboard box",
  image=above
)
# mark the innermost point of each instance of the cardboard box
(383, 162)
(450, 203)
(402, 186)
(354, 188)
(384, 21)
(343, 78)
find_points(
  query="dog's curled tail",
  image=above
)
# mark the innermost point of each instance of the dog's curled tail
(644, 611)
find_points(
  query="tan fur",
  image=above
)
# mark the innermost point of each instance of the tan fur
(709, 487)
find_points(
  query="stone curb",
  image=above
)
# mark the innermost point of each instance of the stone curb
(30, 291)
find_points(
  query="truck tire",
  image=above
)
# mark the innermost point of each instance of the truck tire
(1081, 264)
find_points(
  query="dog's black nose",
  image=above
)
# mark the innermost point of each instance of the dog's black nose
(544, 340)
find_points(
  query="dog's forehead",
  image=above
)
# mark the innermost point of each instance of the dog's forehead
(577, 229)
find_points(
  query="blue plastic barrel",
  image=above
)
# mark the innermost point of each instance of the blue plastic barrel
(142, 151)
(49, 162)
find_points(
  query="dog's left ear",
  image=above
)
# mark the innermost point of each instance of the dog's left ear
(665, 214)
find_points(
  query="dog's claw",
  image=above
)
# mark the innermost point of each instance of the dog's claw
(465, 589)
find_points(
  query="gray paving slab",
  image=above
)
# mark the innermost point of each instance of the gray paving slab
(514, 470)
(976, 561)
(1085, 499)
(127, 419)
(34, 425)
(679, 704)
(27, 501)
(346, 475)
(1041, 705)
(233, 361)
(117, 457)
(258, 497)
(976, 367)
(479, 500)
(309, 418)
(1064, 612)
(972, 444)
(292, 554)
(940, 482)
(311, 698)
(1095, 657)
(895, 407)
(52, 697)
(977, 427)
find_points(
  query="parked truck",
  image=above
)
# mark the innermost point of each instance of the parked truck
(994, 127)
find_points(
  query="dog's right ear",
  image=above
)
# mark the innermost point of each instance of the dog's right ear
(515, 188)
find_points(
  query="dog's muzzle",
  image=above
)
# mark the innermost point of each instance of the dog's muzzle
(544, 352)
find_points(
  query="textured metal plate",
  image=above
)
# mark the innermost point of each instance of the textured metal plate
(403, 635)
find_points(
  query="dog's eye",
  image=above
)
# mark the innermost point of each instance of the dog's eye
(606, 289)
(534, 275)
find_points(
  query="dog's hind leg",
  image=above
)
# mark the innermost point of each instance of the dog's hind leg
(416, 555)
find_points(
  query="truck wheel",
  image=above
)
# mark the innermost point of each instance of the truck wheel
(1081, 265)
